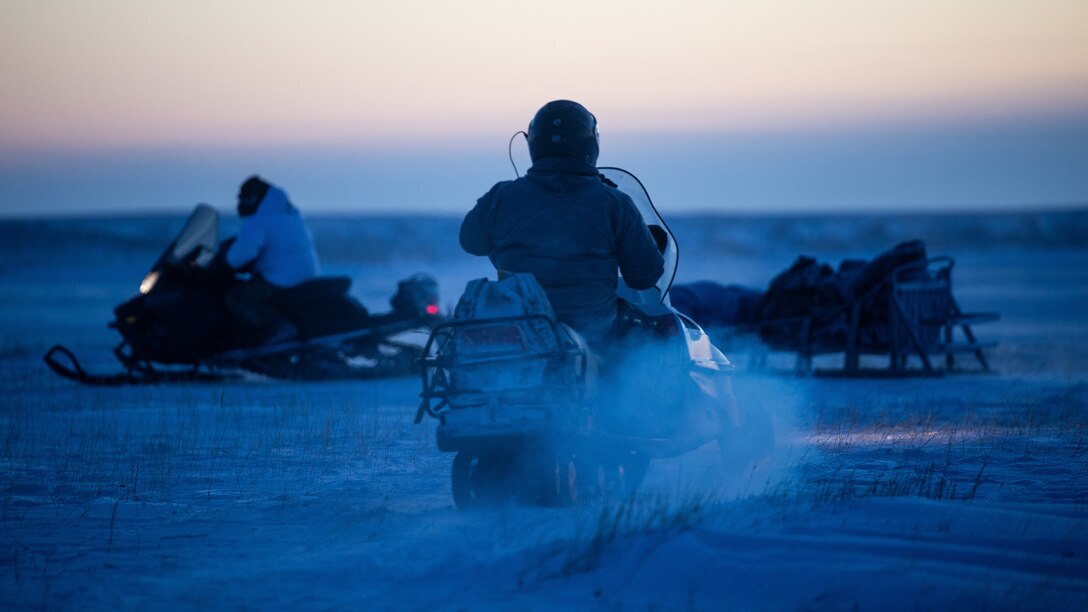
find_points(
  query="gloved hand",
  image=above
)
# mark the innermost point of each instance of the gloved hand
(219, 269)
(661, 237)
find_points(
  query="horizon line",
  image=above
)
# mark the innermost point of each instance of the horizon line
(1011, 209)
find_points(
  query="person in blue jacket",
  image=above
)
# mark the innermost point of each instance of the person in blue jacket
(276, 247)
(563, 224)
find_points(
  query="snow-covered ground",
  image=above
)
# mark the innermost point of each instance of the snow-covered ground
(968, 491)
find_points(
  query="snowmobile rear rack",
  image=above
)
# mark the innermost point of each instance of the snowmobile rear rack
(437, 384)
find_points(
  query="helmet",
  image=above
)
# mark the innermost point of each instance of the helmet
(250, 195)
(564, 128)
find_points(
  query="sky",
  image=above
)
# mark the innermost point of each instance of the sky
(124, 105)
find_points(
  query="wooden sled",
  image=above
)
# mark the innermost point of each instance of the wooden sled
(924, 323)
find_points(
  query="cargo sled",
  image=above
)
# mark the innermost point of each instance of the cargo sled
(899, 306)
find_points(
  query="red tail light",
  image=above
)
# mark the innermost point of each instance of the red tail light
(432, 309)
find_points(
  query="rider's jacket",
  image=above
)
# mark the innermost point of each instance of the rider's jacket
(565, 226)
(277, 242)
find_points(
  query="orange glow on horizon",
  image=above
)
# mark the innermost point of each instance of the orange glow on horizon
(125, 72)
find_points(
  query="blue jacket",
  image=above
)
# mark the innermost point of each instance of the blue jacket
(564, 226)
(276, 241)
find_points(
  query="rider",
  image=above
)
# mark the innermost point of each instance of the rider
(275, 245)
(562, 223)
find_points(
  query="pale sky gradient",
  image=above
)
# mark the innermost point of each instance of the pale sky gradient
(249, 82)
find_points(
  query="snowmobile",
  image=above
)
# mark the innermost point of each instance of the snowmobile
(534, 413)
(178, 328)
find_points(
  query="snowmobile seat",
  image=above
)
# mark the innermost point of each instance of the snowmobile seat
(318, 288)
(636, 324)
(322, 306)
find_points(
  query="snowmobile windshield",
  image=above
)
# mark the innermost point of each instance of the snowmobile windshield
(629, 184)
(198, 239)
